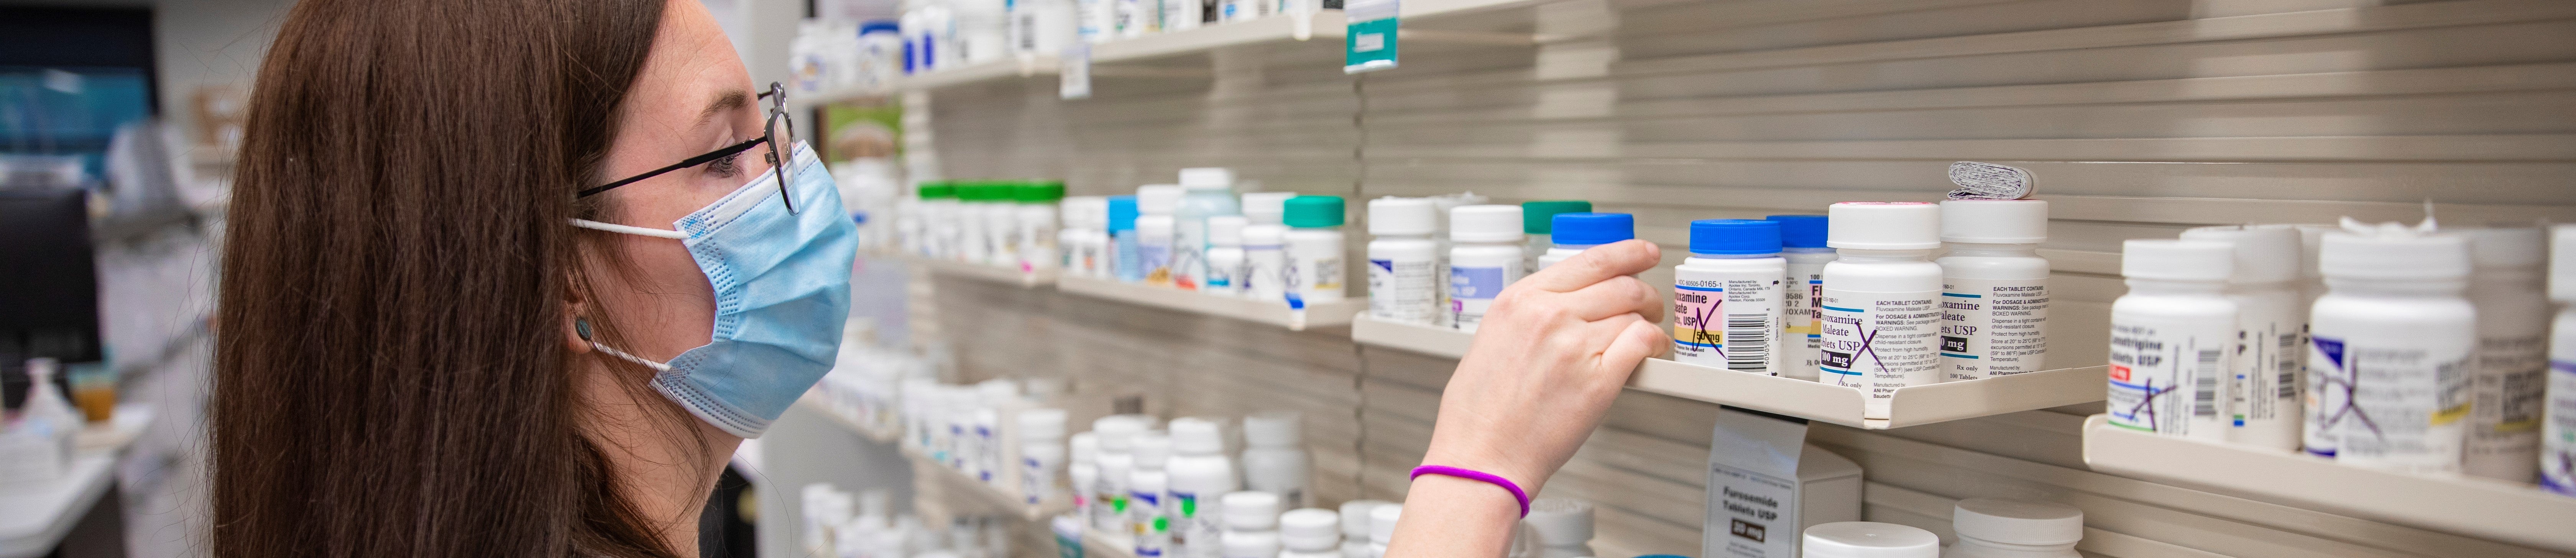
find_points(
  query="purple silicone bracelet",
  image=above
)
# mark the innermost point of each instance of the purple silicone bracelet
(1472, 474)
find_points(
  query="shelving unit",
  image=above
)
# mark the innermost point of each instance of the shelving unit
(1103, 544)
(34, 516)
(1269, 312)
(2475, 506)
(1915, 405)
(998, 274)
(854, 426)
(986, 496)
(1430, 340)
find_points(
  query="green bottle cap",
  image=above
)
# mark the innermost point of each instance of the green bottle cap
(1312, 211)
(1537, 216)
(1040, 192)
(937, 190)
(976, 191)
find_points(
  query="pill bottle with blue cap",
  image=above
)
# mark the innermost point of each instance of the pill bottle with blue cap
(1802, 243)
(1726, 296)
(1126, 260)
(1574, 232)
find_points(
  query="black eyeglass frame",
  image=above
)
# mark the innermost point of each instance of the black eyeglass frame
(777, 97)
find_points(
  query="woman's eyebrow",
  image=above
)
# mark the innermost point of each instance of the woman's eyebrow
(726, 101)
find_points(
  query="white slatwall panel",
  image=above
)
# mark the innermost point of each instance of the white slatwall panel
(2140, 117)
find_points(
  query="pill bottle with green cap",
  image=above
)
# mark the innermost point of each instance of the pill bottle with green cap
(1576, 232)
(1314, 249)
(1726, 296)
(1036, 224)
(1802, 243)
(1538, 221)
(972, 246)
(938, 220)
(1002, 223)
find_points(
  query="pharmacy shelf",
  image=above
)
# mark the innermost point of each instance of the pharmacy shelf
(812, 403)
(1316, 314)
(1426, 339)
(34, 516)
(1912, 406)
(2478, 507)
(1103, 544)
(984, 495)
(1029, 278)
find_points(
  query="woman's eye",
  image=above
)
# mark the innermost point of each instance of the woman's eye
(725, 167)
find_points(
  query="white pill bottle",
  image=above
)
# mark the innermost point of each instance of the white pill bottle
(2558, 419)
(2172, 338)
(1727, 296)
(2395, 338)
(1401, 260)
(2507, 387)
(1485, 256)
(2263, 402)
(1994, 288)
(1881, 300)
(1802, 243)
(1314, 249)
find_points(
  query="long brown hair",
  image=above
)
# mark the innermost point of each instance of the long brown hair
(390, 374)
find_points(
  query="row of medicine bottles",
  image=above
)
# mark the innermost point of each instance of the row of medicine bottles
(1250, 523)
(939, 35)
(1175, 489)
(839, 524)
(2405, 348)
(999, 223)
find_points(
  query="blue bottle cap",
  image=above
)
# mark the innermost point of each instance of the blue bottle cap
(879, 26)
(1122, 213)
(1734, 236)
(1800, 231)
(1586, 229)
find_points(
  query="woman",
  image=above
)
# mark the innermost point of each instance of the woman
(515, 277)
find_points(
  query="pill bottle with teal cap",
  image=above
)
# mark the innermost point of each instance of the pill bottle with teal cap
(1572, 233)
(1538, 219)
(1726, 297)
(1314, 246)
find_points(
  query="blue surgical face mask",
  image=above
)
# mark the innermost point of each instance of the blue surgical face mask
(782, 285)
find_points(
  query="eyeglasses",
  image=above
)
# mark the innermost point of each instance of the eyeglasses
(779, 130)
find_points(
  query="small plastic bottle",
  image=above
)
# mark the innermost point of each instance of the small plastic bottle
(1117, 460)
(1082, 217)
(1251, 525)
(1726, 296)
(1083, 469)
(1355, 527)
(1865, 539)
(1485, 256)
(1036, 225)
(1314, 248)
(1265, 208)
(1559, 528)
(2394, 333)
(938, 226)
(1538, 221)
(1148, 487)
(969, 228)
(2264, 283)
(1200, 474)
(1881, 307)
(1041, 454)
(1381, 523)
(1205, 192)
(1265, 262)
(1994, 288)
(1999, 528)
(999, 400)
(1251, 544)
(1402, 257)
(1310, 533)
(1572, 233)
(1802, 243)
(1127, 261)
(2172, 337)
(1274, 460)
(1155, 226)
(1225, 265)
(2558, 420)
(2505, 286)
(2314, 406)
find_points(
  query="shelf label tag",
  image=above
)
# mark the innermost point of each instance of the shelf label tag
(1073, 81)
(1753, 485)
(1369, 40)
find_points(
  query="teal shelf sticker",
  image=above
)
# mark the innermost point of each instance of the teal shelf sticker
(1369, 41)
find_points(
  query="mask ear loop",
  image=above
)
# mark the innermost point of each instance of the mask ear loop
(617, 228)
(582, 327)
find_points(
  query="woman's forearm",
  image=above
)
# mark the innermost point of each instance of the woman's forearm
(1450, 517)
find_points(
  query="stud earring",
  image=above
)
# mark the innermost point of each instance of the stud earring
(581, 326)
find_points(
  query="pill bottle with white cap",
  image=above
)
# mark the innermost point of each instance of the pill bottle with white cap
(1999, 528)
(1558, 528)
(1205, 192)
(1802, 243)
(1251, 525)
(2506, 389)
(1274, 456)
(1155, 227)
(1382, 521)
(1881, 300)
(2558, 418)
(1310, 533)
(2396, 335)
(1200, 473)
(2263, 281)
(1355, 526)
(1994, 288)
(1225, 267)
(1041, 434)
(1401, 260)
(1866, 539)
(1149, 487)
(2172, 338)
(1485, 256)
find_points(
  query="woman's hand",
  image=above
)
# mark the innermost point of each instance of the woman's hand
(1547, 361)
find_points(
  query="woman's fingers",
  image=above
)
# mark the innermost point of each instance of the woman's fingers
(1597, 264)
(1637, 340)
(1617, 295)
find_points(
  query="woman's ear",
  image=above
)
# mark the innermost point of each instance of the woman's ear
(577, 326)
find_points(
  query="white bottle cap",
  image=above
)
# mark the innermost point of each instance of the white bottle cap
(1251, 510)
(1355, 518)
(1382, 522)
(1250, 544)
(1265, 208)
(1485, 223)
(2264, 254)
(1079, 211)
(1152, 447)
(1269, 234)
(2179, 260)
(1154, 225)
(1226, 230)
(2507, 248)
(1157, 199)
(1117, 433)
(1310, 529)
(1220, 177)
(2018, 522)
(1883, 226)
(1270, 429)
(1865, 539)
(1560, 522)
(1196, 436)
(1994, 221)
(2393, 254)
(2311, 240)
(1084, 447)
(1188, 190)
(1409, 216)
(2562, 263)
(1041, 424)
(998, 391)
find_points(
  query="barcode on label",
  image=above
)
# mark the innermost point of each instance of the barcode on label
(2204, 399)
(1748, 344)
(2289, 368)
